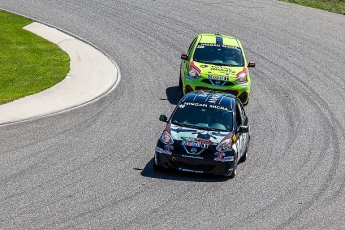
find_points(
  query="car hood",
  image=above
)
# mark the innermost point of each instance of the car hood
(180, 133)
(210, 70)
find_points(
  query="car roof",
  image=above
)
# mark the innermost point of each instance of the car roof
(216, 98)
(219, 38)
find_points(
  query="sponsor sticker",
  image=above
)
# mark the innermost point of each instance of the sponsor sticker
(160, 150)
(168, 147)
(223, 70)
(190, 170)
(194, 144)
(221, 78)
(194, 157)
(220, 156)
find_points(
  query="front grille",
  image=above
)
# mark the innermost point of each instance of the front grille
(217, 82)
(199, 152)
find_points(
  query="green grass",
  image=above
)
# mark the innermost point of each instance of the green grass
(28, 63)
(335, 6)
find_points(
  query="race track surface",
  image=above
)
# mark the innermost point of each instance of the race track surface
(90, 168)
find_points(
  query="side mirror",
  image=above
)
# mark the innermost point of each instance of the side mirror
(163, 118)
(251, 64)
(244, 129)
(184, 57)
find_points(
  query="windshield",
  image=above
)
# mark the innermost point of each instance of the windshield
(203, 117)
(218, 54)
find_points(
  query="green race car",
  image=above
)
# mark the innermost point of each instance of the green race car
(216, 62)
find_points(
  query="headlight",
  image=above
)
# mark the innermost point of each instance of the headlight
(242, 76)
(193, 73)
(224, 146)
(166, 138)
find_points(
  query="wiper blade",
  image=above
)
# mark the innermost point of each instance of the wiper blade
(203, 128)
(193, 126)
(205, 62)
(177, 123)
(214, 129)
(184, 125)
(218, 64)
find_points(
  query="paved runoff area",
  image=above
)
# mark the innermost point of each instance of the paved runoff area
(91, 75)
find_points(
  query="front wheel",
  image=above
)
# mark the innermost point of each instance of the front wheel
(181, 94)
(244, 104)
(156, 167)
(234, 172)
(245, 155)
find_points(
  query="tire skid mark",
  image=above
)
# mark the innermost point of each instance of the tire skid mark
(328, 118)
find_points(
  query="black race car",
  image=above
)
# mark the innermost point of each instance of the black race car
(208, 132)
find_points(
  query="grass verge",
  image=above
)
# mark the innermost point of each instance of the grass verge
(335, 6)
(28, 63)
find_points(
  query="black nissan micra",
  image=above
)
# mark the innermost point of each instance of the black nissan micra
(208, 132)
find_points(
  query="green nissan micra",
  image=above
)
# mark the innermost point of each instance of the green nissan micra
(216, 62)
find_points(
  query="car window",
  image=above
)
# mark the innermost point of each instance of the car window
(191, 47)
(239, 114)
(218, 54)
(203, 117)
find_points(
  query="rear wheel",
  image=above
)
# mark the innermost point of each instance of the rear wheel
(244, 157)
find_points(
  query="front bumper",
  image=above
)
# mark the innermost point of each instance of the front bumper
(194, 164)
(242, 91)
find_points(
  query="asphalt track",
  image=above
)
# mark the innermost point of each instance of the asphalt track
(90, 167)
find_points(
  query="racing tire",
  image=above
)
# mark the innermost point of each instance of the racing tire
(180, 82)
(245, 155)
(234, 172)
(156, 167)
(244, 104)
